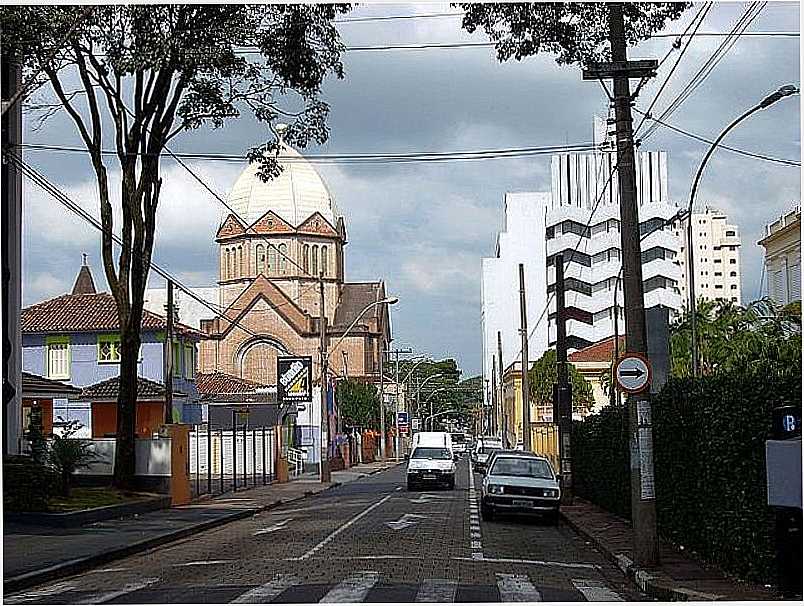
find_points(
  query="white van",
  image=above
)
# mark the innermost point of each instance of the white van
(431, 460)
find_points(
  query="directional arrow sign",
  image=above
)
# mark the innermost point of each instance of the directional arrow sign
(633, 373)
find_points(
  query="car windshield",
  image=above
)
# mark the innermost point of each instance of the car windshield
(431, 453)
(522, 468)
(458, 438)
(488, 448)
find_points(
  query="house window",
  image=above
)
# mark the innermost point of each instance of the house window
(260, 259)
(189, 361)
(733, 274)
(58, 357)
(732, 261)
(176, 351)
(283, 258)
(731, 233)
(108, 349)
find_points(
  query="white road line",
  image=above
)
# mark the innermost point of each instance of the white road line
(352, 589)
(35, 594)
(437, 590)
(517, 588)
(596, 591)
(268, 592)
(340, 529)
(475, 540)
(202, 563)
(538, 563)
(100, 598)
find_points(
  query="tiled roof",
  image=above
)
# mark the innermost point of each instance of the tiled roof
(86, 313)
(355, 297)
(602, 351)
(34, 384)
(219, 382)
(107, 390)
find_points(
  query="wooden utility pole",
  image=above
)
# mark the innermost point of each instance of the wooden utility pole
(562, 393)
(643, 498)
(325, 475)
(525, 383)
(168, 355)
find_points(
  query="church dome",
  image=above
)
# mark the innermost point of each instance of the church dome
(298, 192)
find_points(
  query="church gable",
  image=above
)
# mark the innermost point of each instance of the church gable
(317, 225)
(271, 223)
(231, 228)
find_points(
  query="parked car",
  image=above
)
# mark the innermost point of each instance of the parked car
(518, 482)
(459, 443)
(431, 465)
(484, 447)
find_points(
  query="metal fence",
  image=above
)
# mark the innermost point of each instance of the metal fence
(223, 460)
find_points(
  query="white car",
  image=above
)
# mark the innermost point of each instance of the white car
(431, 465)
(459, 444)
(520, 483)
(484, 447)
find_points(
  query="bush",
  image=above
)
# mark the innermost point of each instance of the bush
(27, 485)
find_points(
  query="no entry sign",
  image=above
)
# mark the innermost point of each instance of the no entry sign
(633, 373)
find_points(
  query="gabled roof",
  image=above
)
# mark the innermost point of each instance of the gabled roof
(87, 313)
(317, 224)
(84, 284)
(220, 382)
(230, 228)
(355, 296)
(602, 351)
(34, 385)
(271, 223)
(106, 391)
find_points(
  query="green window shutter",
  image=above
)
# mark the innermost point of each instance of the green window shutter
(109, 349)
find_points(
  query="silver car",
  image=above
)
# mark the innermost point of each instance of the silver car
(520, 483)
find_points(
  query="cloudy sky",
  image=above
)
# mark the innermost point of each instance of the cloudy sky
(423, 228)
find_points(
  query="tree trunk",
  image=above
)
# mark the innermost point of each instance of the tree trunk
(124, 456)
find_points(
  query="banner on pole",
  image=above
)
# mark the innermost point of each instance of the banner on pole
(294, 379)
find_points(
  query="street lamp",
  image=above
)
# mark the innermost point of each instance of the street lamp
(325, 475)
(784, 91)
(432, 393)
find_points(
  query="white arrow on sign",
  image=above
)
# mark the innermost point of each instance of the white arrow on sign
(633, 373)
(409, 519)
(274, 528)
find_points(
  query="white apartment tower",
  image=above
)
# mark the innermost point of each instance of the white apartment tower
(585, 192)
(521, 241)
(716, 249)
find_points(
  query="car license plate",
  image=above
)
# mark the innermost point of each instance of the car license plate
(428, 476)
(520, 503)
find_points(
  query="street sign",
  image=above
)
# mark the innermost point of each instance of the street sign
(402, 422)
(633, 373)
(294, 379)
(416, 422)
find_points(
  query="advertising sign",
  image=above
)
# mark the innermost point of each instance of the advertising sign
(294, 379)
(402, 422)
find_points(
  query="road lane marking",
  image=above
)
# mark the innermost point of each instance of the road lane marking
(274, 528)
(536, 563)
(475, 539)
(268, 592)
(35, 594)
(437, 590)
(409, 519)
(517, 588)
(203, 563)
(343, 527)
(352, 589)
(596, 591)
(100, 598)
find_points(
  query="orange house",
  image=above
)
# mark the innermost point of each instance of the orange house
(103, 401)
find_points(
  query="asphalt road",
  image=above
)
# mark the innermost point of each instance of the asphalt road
(367, 541)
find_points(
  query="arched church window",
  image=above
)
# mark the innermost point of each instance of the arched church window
(283, 258)
(315, 261)
(228, 264)
(240, 268)
(271, 260)
(324, 260)
(260, 259)
(306, 258)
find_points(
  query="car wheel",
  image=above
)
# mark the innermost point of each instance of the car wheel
(486, 512)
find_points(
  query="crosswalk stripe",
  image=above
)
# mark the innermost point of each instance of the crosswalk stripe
(35, 594)
(352, 589)
(437, 590)
(268, 592)
(517, 588)
(596, 591)
(100, 598)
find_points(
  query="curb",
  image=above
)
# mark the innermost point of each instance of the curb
(89, 516)
(653, 584)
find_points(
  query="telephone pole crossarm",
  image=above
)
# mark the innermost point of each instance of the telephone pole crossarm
(643, 68)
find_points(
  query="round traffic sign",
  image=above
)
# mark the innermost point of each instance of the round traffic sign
(633, 373)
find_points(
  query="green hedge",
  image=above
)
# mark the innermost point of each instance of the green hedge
(709, 448)
(27, 485)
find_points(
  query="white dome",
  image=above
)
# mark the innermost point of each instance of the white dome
(294, 195)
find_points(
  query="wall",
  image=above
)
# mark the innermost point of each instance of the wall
(152, 458)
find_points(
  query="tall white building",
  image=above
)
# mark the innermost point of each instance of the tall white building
(716, 250)
(585, 192)
(521, 241)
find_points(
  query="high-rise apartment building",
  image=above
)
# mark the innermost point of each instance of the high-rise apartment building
(716, 250)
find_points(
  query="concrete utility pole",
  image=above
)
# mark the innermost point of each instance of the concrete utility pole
(168, 355)
(525, 383)
(643, 498)
(501, 388)
(494, 395)
(382, 403)
(325, 475)
(562, 394)
(396, 409)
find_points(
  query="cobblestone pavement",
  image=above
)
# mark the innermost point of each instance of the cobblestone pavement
(366, 541)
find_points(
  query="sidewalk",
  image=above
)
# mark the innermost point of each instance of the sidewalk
(36, 554)
(678, 578)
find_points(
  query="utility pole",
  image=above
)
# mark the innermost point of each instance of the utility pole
(325, 476)
(562, 394)
(643, 498)
(501, 397)
(525, 383)
(382, 402)
(494, 394)
(396, 410)
(168, 355)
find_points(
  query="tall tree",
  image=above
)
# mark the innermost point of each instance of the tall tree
(544, 373)
(146, 74)
(575, 32)
(359, 404)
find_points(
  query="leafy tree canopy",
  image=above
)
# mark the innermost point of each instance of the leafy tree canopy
(576, 32)
(359, 405)
(544, 373)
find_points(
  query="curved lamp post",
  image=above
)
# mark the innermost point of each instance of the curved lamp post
(784, 91)
(429, 398)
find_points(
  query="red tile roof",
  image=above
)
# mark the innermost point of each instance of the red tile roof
(219, 382)
(33, 385)
(602, 351)
(107, 390)
(87, 313)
